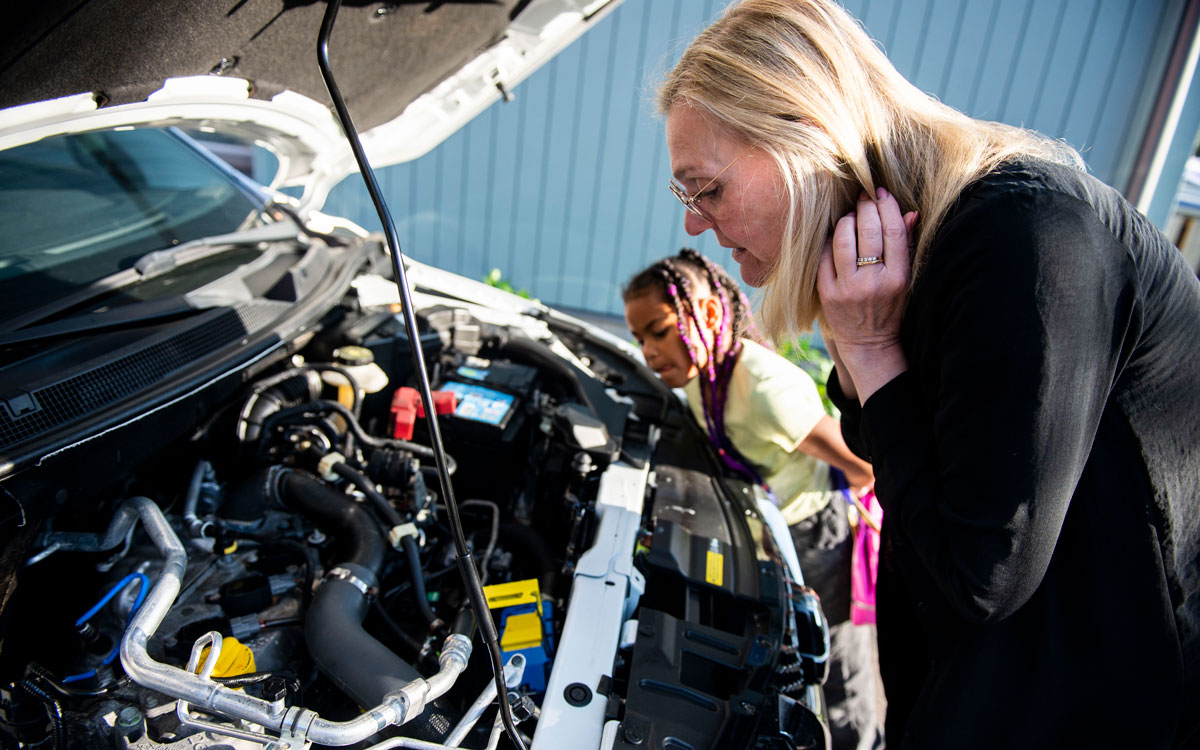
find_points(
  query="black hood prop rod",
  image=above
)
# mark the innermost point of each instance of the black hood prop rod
(466, 565)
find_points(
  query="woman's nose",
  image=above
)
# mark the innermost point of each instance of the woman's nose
(694, 225)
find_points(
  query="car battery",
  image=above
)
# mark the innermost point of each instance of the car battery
(490, 394)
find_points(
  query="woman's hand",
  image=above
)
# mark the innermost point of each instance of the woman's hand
(863, 305)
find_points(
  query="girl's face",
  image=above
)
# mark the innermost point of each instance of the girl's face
(654, 325)
(745, 206)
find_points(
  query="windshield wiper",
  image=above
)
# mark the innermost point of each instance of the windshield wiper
(119, 317)
(150, 265)
(158, 262)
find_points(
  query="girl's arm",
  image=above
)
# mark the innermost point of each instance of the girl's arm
(825, 442)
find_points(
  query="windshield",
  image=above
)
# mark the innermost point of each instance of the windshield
(77, 208)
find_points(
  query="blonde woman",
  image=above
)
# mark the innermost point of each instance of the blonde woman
(1016, 355)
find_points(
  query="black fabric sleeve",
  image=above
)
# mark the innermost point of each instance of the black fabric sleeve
(851, 415)
(1020, 323)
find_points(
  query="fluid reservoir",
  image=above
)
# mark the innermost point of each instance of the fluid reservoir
(360, 363)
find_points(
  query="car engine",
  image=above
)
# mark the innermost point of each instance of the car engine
(281, 571)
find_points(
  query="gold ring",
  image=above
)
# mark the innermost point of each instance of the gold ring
(870, 261)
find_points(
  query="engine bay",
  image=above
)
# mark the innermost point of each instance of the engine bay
(280, 571)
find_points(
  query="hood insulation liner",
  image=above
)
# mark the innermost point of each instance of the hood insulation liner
(386, 53)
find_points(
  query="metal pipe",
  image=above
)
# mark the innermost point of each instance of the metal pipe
(396, 708)
(494, 738)
(409, 743)
(196, 527)
(120, 525)
(514, 670)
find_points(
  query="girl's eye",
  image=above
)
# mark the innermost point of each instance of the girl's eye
(661, 333)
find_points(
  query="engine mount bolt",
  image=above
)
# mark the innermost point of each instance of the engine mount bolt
(129, 723)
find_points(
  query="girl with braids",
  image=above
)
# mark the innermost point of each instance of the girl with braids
(766, 419)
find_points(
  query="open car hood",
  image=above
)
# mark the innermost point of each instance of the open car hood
(412, 73)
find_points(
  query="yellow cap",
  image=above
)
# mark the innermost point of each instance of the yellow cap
(235, 659)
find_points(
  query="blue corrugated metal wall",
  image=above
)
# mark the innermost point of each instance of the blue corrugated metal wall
(564, 189)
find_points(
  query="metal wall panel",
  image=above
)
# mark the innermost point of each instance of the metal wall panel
(564, 188)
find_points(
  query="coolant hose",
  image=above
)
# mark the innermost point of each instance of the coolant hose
(347, 521)
(392, 517)
(361, 666)
(356, 478)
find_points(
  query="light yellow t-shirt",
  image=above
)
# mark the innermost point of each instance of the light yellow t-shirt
(771, 407)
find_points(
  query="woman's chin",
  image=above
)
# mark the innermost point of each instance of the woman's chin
(753, 277)
(752, 272)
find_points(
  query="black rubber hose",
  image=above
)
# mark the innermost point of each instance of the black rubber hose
(411, 553)
(356, 428)
(412, 644)
(464, 621)
(540, 354)
(350, 523)
(418, 579)
(286, 389)
(355, 477)
(362, 667)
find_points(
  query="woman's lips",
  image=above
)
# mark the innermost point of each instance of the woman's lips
(738, 253)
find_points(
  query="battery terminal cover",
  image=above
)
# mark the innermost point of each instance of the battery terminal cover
(407, 408)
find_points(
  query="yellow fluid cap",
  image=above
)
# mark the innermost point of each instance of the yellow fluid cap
(235, 659)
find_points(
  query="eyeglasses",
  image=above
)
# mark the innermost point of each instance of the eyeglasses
(689, 201)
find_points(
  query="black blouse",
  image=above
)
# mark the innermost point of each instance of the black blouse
(1039, 467)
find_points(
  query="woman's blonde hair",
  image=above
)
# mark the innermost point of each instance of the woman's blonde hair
(803, 81)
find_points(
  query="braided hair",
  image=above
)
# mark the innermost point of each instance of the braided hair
(683, 280)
